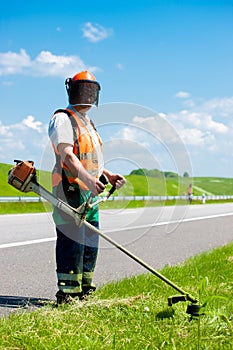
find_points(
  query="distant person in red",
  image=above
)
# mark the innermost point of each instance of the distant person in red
(190, 193)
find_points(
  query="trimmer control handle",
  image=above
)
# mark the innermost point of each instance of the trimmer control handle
(112, 189)
(104, 180)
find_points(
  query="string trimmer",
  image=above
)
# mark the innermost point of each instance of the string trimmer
(23, 177)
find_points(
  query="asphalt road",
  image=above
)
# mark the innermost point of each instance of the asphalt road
(159, 236)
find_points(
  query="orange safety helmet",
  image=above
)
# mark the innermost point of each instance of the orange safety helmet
(85, 75)
(83, 89)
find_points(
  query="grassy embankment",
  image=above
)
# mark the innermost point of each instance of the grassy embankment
(137, 185)
(133, 313)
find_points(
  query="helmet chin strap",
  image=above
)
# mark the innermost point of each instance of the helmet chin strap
(83, 104)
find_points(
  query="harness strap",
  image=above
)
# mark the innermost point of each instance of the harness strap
(73, 123)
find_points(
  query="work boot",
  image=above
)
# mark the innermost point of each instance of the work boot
(87, 292)
(66, 298)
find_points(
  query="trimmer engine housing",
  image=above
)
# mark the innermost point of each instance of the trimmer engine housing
(21, 174)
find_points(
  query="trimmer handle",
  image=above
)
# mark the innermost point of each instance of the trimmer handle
(112, 189)
(104, 180)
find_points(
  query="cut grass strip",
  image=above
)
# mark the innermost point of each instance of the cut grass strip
(133, 313)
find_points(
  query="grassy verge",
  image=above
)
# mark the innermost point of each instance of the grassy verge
(40, 207)
(141, 204)
(24, 207)
(132, 313)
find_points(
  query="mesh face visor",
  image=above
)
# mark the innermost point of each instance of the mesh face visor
(83, 92)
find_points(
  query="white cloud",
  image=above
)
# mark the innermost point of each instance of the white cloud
(119, 66)
(204, 128)
(13, 63)
(189, 103)
(196, 137)
(7, 83)
(4, 130)
(153, 142)
(217, 127)
(221, 107)
(133, 134)
(131, 151)
(95, 32)
(163, 141)
(182, 94)
(203, 133)
(32, 124)
(203, 121)
(24, 140)
(48, 64)
(44, 64)
(159, 128)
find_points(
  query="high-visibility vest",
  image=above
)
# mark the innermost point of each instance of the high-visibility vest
(84, 148)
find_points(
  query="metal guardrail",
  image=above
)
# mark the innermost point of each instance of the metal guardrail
(122, 198)
(164, 198)
(21, 199)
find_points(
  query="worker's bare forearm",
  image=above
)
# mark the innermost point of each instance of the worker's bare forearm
(77, 169)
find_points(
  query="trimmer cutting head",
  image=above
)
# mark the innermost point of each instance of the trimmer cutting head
(176, 299)
(192, 309)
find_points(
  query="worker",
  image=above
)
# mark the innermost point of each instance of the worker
(79, 165)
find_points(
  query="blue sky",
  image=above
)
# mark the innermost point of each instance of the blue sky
(165, 68)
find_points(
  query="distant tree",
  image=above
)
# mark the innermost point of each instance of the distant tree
(170, 174)
(146, 172)
(186, 174)
(141, 171)
(153, 173)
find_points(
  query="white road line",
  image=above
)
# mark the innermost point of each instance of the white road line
(34, 241)
(51, 239)
(162, 223)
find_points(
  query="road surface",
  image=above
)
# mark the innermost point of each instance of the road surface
(159, 236)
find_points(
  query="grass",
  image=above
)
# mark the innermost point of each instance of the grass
(138, 185)
(132, 313)
(24, 207)
(41, 207)
(215, 185)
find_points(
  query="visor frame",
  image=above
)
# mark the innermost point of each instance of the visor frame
(76, 92)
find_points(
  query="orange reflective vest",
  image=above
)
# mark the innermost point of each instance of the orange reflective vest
(86, 140)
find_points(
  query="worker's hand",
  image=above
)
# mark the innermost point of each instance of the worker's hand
(116, 180)
(96, 186)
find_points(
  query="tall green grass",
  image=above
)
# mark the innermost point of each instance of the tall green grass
(138, 185)
(24, 207)
(133, 313)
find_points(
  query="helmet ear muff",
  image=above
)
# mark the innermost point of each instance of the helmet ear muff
(68, 85)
